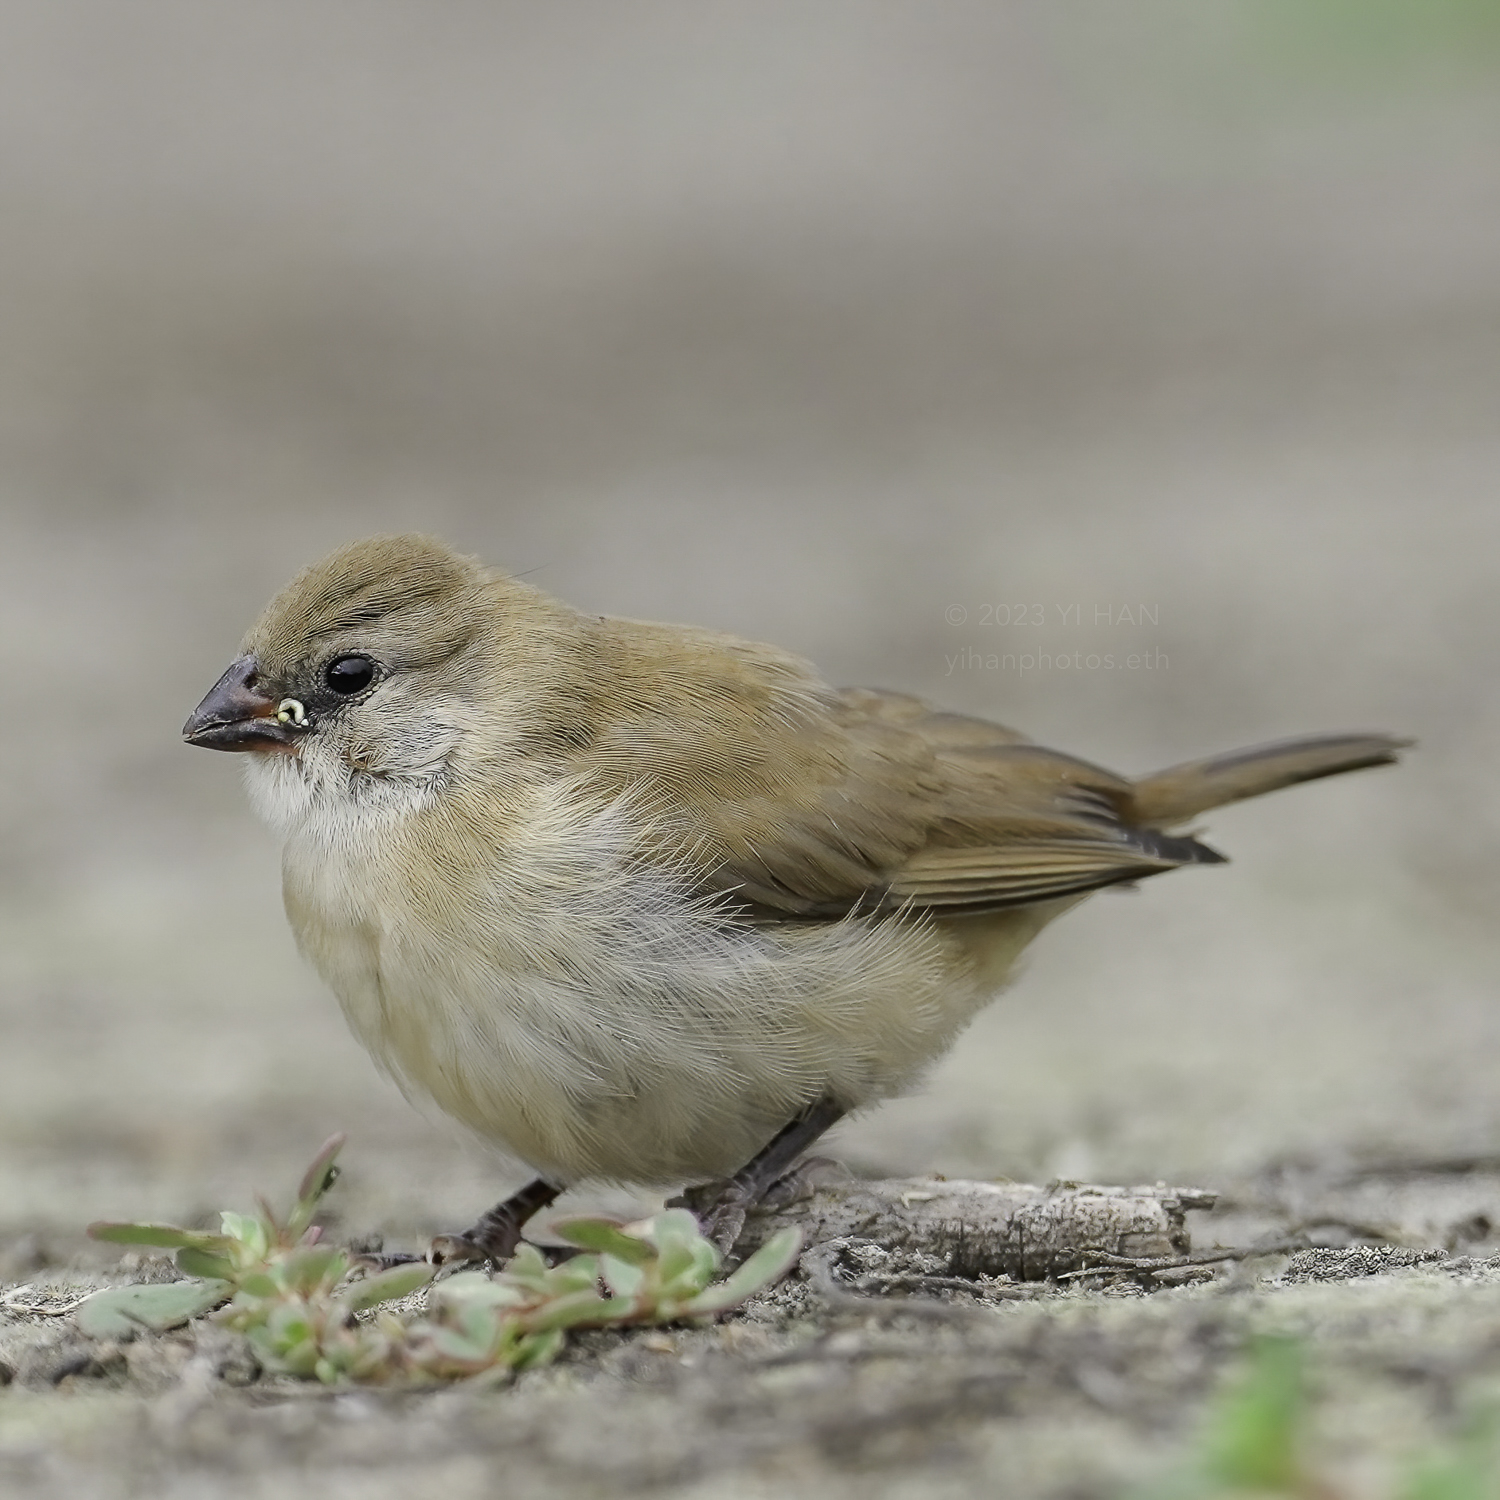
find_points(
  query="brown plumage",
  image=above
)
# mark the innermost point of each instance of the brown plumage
(628, 897)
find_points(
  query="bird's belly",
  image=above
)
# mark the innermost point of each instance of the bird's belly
(622, 1031)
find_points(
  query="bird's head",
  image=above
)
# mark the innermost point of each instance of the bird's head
(369, 664)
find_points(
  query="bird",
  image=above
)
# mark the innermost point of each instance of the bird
(650, 904)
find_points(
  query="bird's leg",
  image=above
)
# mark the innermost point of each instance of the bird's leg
(498, 1232)
(724, 1213)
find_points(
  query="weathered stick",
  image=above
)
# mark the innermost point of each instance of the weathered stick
(994, 1229)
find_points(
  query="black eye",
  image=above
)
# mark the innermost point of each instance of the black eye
(349, 674)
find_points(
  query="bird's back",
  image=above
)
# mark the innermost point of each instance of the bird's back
(801, 802)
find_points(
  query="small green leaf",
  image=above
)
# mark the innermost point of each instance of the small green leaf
(288, 1323)
(119, 1311)
(672, 1227)
(372, 1359)
(316, 1181)
(449, 1346)
(166, 1236)
(622, 1279)
(482, 1325)
(314, 1266)
(768, 1265)
(474, 1288)
(247, 1232)
(576, 1275)
(259, 1284)
(687, 1267)
(192, 1261)
(291, 1359)
(537, 1349)
(605, 1235)
(399, 1281)
(465, 1283)
(269, 1223)
(527, 1268)
(578, 1308)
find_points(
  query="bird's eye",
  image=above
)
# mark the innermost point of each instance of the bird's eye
(349, 674)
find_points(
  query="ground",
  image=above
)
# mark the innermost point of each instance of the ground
(1099, 1385)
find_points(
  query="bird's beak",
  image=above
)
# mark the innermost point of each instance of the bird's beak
(236, 716)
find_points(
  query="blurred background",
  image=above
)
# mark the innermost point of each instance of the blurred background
(966, 348)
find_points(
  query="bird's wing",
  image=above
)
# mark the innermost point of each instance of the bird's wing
(819, 803)
(1020, 823)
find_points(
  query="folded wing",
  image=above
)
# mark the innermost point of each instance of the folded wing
(862, 801)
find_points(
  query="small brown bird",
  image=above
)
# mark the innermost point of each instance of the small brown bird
(648, 903)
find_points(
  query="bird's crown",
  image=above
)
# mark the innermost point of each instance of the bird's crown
(411, 590)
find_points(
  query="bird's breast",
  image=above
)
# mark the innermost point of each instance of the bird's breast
(560, 995)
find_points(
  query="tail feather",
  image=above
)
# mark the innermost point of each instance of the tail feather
(1184, 791)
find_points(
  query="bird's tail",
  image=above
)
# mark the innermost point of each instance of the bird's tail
(1184, 791)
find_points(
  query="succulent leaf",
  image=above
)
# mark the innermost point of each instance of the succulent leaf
(399, 1281)
(605, 1235)
(768, 1265)
(192, 1261)
(165, 1236)
(122, 1311)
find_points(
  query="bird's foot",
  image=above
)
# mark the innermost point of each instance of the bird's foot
(449, 1250)
(723, 1206)
(494, 1238)
(368, 1253)
(720, 1207)
(497, 1234)
(724, 1225)
(800, 1182)
(444, 1250)
(383, 1260)
(466, 1250)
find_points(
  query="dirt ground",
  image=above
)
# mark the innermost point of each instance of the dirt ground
(1092, 1387)
(954, 346)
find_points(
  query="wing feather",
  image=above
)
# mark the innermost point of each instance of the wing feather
(794, 801)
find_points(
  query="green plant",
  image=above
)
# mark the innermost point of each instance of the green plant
(257, 1251)
(307, 1309)
(657, 1271)
(1254, 1439)
(1255, 1435)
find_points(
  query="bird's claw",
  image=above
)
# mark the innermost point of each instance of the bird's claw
(722, 1206)
(726, 1223)
(800, 1182)
(380, 1260)
(462, 1249)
